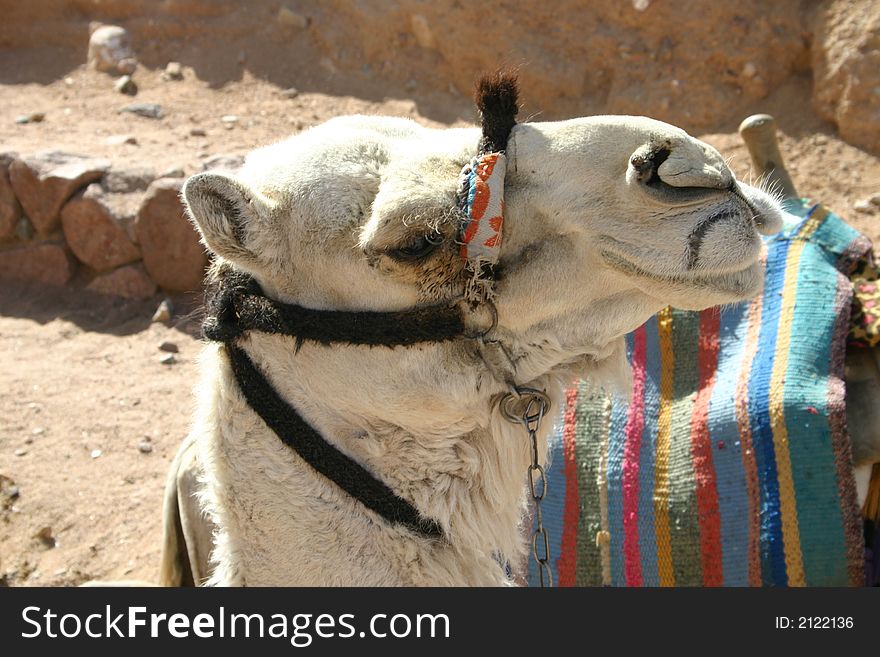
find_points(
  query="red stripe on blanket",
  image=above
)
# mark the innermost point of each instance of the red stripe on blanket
(635, 424)
(708, 514)
(566, 567)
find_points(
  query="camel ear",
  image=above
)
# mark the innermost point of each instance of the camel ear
(229, 215)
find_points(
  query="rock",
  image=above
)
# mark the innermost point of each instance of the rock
(173, 71)
(198, 132)
(749, 70)
(846, 70)
(44, 182)
(8, 489)
(125, 181)
(422, 31)
(174, 172)
(170, 347)
(874, 200)
(290, 18)
(173, 255)
(164, 311)
(168, 359)
(119, 140)
(48, 262)
(292, 92)
(110, 50)
(96, 453)
(10, 209)
(127, 66)
(864, 206)
(21, 451)
(229, 118)
(125, 85)
(33, 117)
(224, 162)
(95, 233)
(145, 447)
(44, 535)
(147, 110)
(128, 282)
(641, 5)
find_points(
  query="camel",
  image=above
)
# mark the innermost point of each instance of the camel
(392, 339)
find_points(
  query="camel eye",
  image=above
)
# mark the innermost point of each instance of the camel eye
(418, 249)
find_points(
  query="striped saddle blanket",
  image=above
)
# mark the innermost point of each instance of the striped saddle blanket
(730, 464)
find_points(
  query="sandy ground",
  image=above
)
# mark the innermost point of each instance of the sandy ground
(81, 379)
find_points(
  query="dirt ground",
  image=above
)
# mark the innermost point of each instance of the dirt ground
(84, 394)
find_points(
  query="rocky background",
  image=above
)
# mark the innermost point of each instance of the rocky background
(107, 105)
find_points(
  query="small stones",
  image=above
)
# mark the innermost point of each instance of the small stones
(198, 132)
(749, 70)
(125, 85)
(173, 71)
(641, 5)
(8, 489)
(164, 311)
(21, 451)
(291, 92)
(173, 172)
(96, 453)
(168, 359)
(170, 347)
(864, 206)
(127, 66)
(230, 162)
(146, 110)
(119, 140)
(229, 121)
(44, 535)
(145, 446)
(32, 117)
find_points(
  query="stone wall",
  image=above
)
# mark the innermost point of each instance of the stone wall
(123, 232)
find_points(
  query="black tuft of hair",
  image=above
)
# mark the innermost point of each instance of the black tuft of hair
(497, 95)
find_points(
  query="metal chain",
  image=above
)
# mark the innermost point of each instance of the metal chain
(528, 407)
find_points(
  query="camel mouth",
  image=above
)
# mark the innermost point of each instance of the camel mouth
(736, 285)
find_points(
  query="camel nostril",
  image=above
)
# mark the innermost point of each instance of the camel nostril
(647, 162)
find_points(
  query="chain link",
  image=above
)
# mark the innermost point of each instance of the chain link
(528, 407)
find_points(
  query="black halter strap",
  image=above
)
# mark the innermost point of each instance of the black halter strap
(236, 305)
(297, 434)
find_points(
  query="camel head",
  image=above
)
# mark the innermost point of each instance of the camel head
(607, 220)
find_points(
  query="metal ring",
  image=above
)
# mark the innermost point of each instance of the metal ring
(510, 405)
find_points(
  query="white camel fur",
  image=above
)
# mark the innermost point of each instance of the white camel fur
(592, 247)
